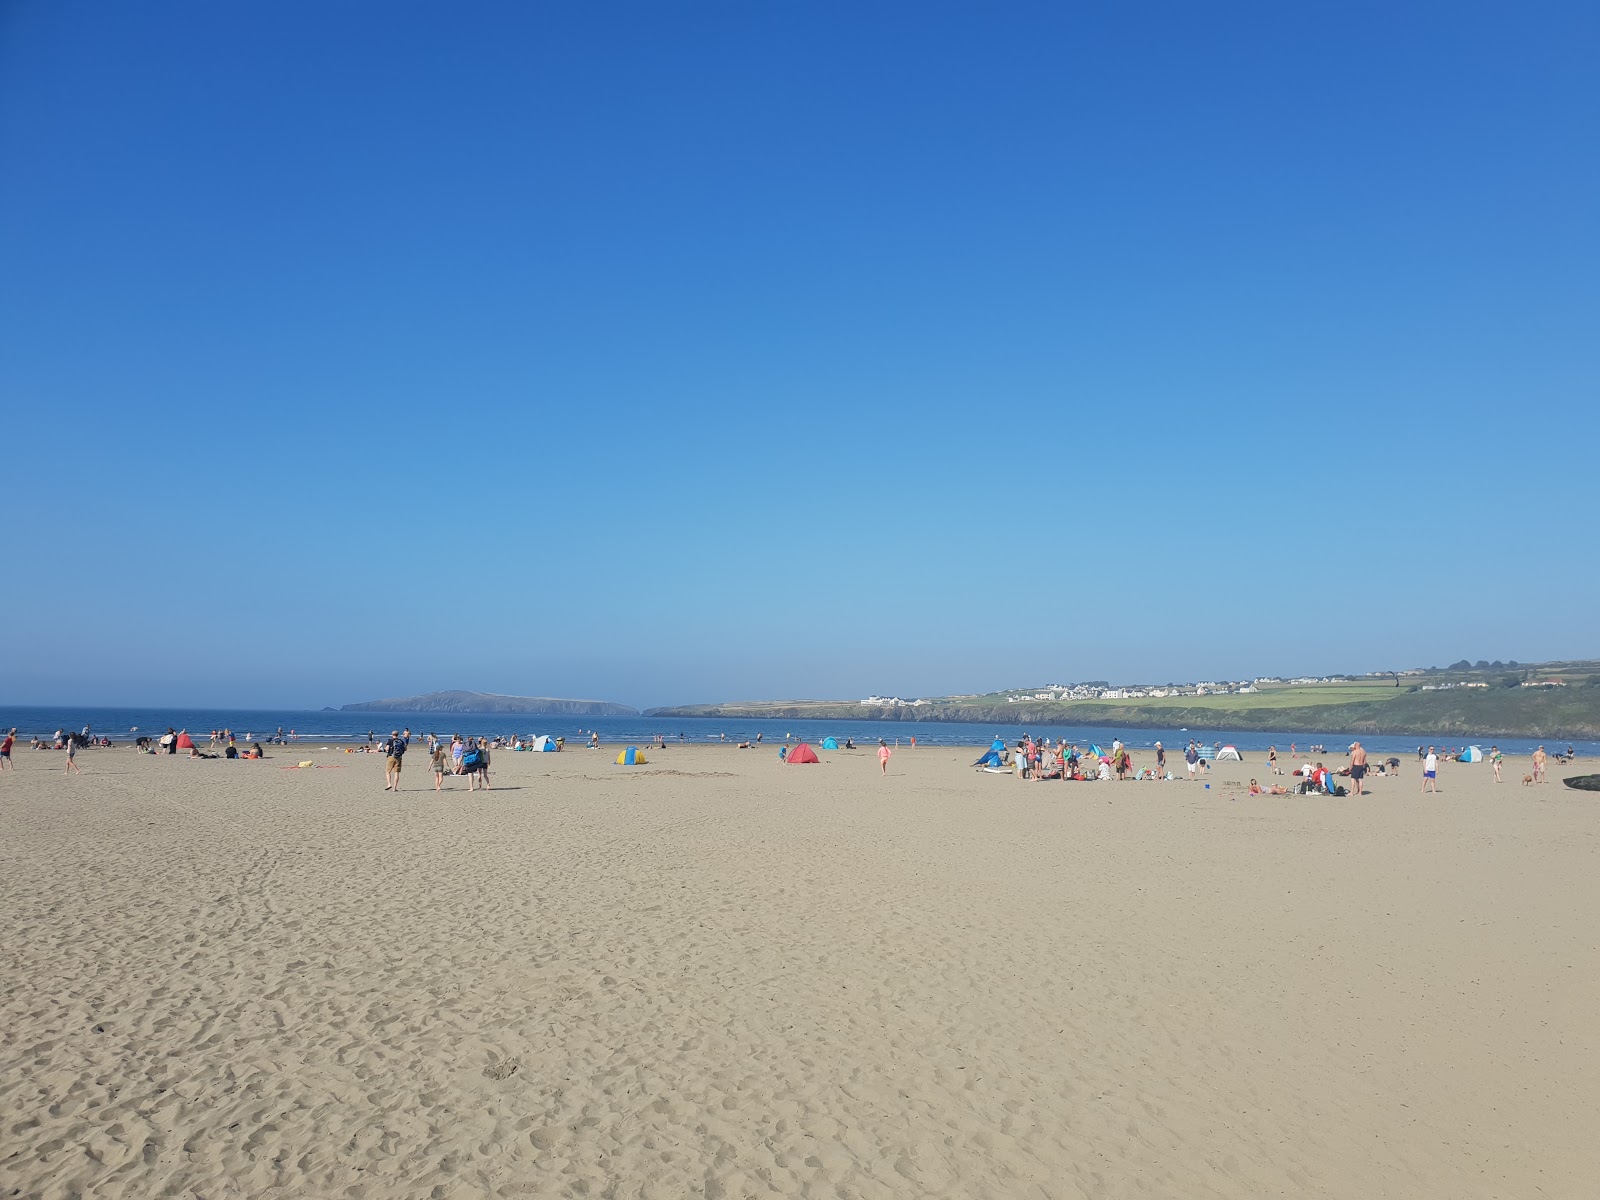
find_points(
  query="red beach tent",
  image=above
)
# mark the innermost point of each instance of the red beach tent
(802, 753)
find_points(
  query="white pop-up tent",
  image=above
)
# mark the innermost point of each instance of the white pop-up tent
(1229, 754)
(1471, 754)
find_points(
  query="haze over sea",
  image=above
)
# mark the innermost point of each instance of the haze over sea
(344, 727)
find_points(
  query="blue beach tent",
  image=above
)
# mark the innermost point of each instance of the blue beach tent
(630, 757)
(829, 743)
(991, 759)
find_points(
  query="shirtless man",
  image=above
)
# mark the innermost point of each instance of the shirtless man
(1538, 765)
(1358, 766)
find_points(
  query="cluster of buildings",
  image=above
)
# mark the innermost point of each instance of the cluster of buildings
(1445, 687)
(895, 702)
(1093, 691)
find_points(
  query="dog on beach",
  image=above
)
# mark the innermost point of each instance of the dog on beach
(1527, 781)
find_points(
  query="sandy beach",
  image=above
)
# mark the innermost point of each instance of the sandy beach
(720, 976)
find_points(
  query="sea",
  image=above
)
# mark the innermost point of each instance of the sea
(342, 728)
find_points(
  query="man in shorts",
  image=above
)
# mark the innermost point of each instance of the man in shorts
(1191, 756)
(5, 751)
(1430, 772)
(397, 753)
(1358, 766)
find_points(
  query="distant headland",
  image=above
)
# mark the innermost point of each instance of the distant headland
(1553, 700)
(489, 702)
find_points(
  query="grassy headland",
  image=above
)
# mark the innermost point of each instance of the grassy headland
(1504, 708)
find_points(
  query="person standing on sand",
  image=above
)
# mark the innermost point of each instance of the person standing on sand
(1358, 766)
(1494, 761)
(72, 752)
(883, 757)
(5, 751)
(396, 746)
(1161, 760)
(1430, 772)
(438, 765)
(1272, 759)
(1191, 756)
(1538, 765)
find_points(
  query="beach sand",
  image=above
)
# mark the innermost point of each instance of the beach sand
(720, 976)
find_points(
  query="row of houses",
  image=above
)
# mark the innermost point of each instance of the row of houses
(1085, 691)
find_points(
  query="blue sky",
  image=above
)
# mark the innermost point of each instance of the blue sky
(692, 352)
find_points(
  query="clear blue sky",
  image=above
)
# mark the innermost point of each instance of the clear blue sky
(670, 352)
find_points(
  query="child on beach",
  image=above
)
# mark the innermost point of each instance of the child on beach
(883, 758)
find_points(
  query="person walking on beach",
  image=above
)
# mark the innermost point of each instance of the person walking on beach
(1538, 765)
(1430, 772)
(1358, 766)
(883, 757)
(438, 765)
(483, 762)
(1161, 760)
(1494, 761)
(1191, 756)
(396, 746)
(72, 752)
(1272, 760)
(5, 751)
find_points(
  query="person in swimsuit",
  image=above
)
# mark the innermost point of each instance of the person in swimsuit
(1494, 761)
(1358, 766)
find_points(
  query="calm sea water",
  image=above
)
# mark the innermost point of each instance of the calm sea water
(120, 725)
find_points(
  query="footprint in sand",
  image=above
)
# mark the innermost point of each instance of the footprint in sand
(504, 1069)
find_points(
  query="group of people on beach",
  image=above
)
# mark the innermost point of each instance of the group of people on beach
(466, 756)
